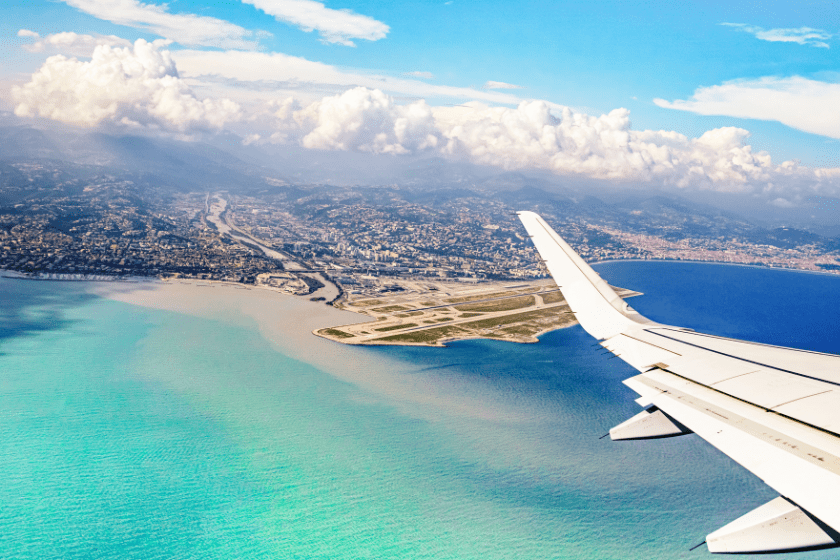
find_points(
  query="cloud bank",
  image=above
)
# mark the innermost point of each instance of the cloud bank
(334, 26)
(134, 86)
(536, 135)
(140, 86)
(807, 105)
(604, 147)
(799, 35)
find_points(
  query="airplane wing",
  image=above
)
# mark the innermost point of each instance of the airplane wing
(774, 410)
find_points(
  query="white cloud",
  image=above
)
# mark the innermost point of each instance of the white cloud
(75, 44)
(800, 103)
(186, 29)
(420, 74)
(501, 85)
(782, 203)
(369, 121)
(27, 33)
(602, 147)
(136, 87)
(799, 35)
(538, 135)
(282, 70)
(140, 86)
(334, 26)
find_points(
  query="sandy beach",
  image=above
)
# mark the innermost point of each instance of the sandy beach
(288, 321)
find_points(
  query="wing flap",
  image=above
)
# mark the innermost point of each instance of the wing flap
(777, 526)
(794, 395)
(769, 389)
(648, 424)
(817, 365)
(791, 459)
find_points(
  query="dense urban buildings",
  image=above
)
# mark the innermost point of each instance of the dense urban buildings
(59, 219)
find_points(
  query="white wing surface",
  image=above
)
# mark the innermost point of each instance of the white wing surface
(774, 410)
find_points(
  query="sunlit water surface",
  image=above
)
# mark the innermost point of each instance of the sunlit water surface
(127, 432)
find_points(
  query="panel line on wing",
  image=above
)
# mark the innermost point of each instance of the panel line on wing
(649, 343)
(750, 403)
(749, 342)
(735, 376)
(800, 398)
(765, 433)
(803, 375)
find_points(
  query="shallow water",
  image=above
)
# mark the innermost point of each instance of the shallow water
(131, 432)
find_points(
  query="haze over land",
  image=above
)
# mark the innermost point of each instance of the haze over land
(293, 108)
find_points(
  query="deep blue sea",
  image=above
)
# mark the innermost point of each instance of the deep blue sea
(129, 432)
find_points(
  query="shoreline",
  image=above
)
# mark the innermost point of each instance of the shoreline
(183, 295)
(94, 278)
(285, 322)
(62, 276)
(138, 290)
(677, 261)
(437, 314)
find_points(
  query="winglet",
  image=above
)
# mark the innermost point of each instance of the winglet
(596, 306)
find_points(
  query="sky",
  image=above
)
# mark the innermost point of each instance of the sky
(722, 96)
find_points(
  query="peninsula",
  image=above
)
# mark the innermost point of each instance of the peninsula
(434, 313)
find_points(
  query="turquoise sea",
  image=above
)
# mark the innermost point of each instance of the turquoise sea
(132, 432)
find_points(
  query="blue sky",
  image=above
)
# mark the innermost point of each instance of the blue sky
(687, 67)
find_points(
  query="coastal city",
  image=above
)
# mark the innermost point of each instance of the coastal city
(479, 238)
(57, 222)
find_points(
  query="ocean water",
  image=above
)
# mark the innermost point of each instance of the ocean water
(129, 432)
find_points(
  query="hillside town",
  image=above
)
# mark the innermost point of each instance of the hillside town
(57, 224)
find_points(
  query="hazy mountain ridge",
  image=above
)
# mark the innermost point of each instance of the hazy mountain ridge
(224, 163)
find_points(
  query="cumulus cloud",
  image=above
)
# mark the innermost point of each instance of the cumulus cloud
(75, 44)
(800, 103)
(799, 35)
(781, 203)
(334, 26)
(604, 147)
(186, 29)
(538, 135)
(501, 85)
(134, 86)
(369, 121)
(27, 33)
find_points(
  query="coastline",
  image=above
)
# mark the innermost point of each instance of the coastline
(759, 266)
(287, 322)
(311, 318)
